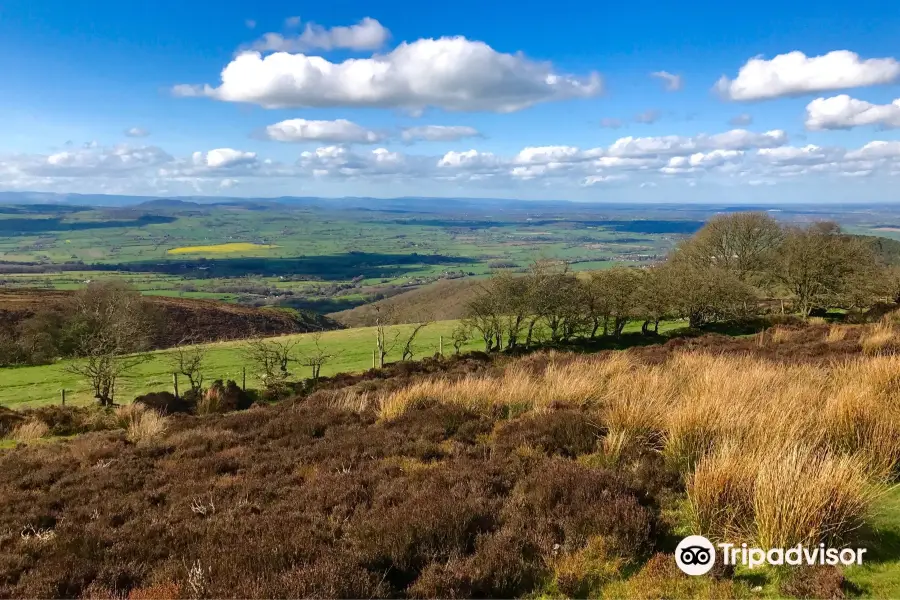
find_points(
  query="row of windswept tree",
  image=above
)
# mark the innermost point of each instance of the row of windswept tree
(737, 266)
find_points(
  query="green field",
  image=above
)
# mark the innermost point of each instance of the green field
(325, 258)
(23, 387)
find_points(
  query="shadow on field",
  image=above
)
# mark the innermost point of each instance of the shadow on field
(324, 267)
(26, 226)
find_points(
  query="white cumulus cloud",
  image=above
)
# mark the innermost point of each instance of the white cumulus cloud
(340, 131)
(844, 112)
(675, 145)
(223, 158)
(368, 34)
(452, 73)
(136, 132)
(794, 74)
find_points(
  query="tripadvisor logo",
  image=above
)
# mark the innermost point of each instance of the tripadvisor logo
(696, 555)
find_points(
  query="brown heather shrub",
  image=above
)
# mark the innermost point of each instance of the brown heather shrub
(159, 591)
(824, 582)
(30, 430)
(303, 500)
(568, 433)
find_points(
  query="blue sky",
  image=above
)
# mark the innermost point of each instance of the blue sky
(553, 91)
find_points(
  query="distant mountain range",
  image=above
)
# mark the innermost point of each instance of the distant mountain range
(401, 204)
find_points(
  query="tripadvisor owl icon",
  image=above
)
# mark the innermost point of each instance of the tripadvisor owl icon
(695, 555)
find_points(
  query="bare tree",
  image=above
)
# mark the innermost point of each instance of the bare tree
(272, 357)
(408, 349)
(317, 357)
(109, 320)
(461, 334)
(187, 359)
(384, 342)
(483, 316)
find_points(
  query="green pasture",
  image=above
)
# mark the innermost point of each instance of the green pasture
(23, 387)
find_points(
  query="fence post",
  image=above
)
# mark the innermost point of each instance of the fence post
(374, 353)
(244, 378)
(441, 346)
(62, 394)
(175, 381)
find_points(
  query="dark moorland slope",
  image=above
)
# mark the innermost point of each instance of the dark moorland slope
(207, 320)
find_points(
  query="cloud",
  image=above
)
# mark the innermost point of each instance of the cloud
(844, 112)
(671, 82)
(795, 74)
(876, 150)
(250, 23)
(223, 158)
(342, 162)
(136, 132)
(471, 160)
(735, 157)
(674, 145)
(647, 117)
(368, 34)
(115, 161)
(454, 74)
(596, 179)
(340, 131)
(439, 133)
(790, 155)
(609, 123)
(741, 120)
(700, 161)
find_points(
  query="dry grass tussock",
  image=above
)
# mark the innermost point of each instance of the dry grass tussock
(29, 431)
(779, 453)
(881, 338)
(836, 333)
(140, 423)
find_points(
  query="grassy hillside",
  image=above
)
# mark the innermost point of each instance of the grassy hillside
(23, 387)
(34, 386)
(442, 300)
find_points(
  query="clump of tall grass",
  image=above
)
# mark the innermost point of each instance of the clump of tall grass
(140, 423)
(805, 495)
(779, 334)
(881, 338)
(580, 382)
(752, 438)
(30, 430)
(836, 333)
(209, 402)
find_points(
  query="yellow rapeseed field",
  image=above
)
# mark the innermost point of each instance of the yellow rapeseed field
(221, 248)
